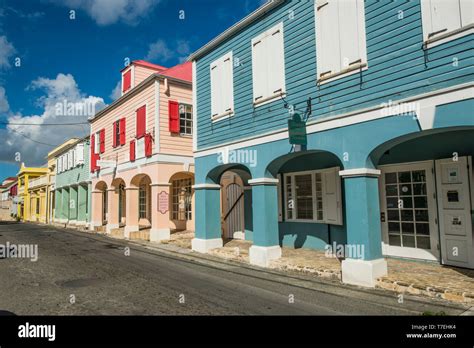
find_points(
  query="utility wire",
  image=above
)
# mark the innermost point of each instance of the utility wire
(43, 124)
(33, 140)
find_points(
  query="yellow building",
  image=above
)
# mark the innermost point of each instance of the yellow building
(25, 176)
(36, 188)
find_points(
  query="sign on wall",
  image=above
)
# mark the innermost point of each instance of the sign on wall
(163, 202)
(297, 130)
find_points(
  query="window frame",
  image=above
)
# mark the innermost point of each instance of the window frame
(294, 211)
(262, 36)
(185, 105)
(362, 44)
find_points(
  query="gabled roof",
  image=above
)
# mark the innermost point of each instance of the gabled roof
(147, 65)
(240, 25)
(182, 71)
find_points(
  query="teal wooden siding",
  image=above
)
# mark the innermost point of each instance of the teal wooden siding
(398, 67)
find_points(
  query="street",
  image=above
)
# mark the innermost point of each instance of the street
(80, 273)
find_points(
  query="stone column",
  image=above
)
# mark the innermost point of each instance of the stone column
(160, 211)
(65, 206)
(96, 210)
(58, 205)
(73, 205)
(364, 262)
(266, 241)
(132, 211)
(208, 228)
(112, 209)
(82, 205)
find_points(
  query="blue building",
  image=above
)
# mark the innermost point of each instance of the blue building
(385, 94)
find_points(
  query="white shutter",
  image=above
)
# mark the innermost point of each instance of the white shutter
(58, 165)
(259, 69)
(64, 162)
(69, 159)
(216, 89)
(80, 154)
(332, 196)
(467, 12)
(327, 37)
(445, 16)
(349, 33)
(227, 81)
(275, 66)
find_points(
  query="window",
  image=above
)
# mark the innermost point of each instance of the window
(182, 199)
(313, 196)
(127, 81)
(185, 119)
(222, 87)
(97, 143)
(340, 37)
(142, 202)
(268, 65)
(443, 19)
(79, 154)
(141, 121)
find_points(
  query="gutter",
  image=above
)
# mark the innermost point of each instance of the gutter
(261, 11)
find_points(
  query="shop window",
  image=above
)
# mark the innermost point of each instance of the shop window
(182, 199)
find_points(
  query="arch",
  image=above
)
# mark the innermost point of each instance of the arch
(143, 183)
(101, 186)
(181, 203)
(214, 175)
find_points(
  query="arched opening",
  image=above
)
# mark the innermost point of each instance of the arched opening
(101, 202)
(310, 199)
(120, 194)
(143, 183)
(426, 196)
(182, 201)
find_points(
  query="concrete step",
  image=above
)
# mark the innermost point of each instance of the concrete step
(117, 232)
(140, 235)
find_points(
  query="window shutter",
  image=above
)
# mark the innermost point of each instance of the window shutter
(327, 37)
(279, 191)
(122, 131)
(227, 89)
(349, 33)
(92, 145)
(215, 90)
(259, 70)
(102, 140)
(58, 165)
(173, 108)
(332, 196)
(141, 121)
(114, 136)
(445, 16)
(132, 151)
(467, 12)
(80, 154)
(140, 148)
(127, 81)
(73, 158)
(148, 145)
(275, 66)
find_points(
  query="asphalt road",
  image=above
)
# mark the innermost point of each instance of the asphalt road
(80, 273)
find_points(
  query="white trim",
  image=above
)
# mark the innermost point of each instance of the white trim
(455, 34)
(194, 91)
(359, 172)
(204, 245)
(207, 186)
(428, 102)
(160, 184)
(263, 181)
(157, 116)
(363, 272)
(262, 256)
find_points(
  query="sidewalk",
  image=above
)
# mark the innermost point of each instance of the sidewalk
(404, 276)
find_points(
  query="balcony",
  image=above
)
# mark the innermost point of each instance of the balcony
(41, 181)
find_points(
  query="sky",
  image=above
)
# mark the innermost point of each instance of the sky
(56, 55)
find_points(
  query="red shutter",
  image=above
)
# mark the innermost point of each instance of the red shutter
(127, 81)
(102, 140)
(114, 136)
(141, 121)
(122, 131)
(148, 145)
(173, 116)
(92, 158)
(132, 151)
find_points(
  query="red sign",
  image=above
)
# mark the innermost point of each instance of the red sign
(163, 202)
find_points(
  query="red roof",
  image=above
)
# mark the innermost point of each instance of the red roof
(147, 64)
(182, 71)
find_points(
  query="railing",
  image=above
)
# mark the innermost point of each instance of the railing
(41, 181)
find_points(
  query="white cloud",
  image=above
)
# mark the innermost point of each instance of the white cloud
(106, 12)
(6, 52)
(4, 106)
(161, 52)
(61, 97)
(116, 92)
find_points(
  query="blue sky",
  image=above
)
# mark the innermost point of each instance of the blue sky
(79, 59)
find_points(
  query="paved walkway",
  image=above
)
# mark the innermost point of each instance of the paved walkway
(404, 276)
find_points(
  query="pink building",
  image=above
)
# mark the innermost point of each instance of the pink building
(141, 157)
